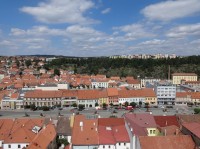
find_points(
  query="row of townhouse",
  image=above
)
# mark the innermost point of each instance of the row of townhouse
(185, 98)
(92, 98)
(133, 131)
(88, 98)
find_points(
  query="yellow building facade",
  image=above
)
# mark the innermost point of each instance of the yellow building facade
(178, 77)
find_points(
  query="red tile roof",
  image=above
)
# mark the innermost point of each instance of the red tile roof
(188, 118)
(43, 94)
(170, 130)
(86, 134)
(112, 92)
(112, 131)
(194, 128)
(133, 81)
(88, 94)
(167, 142)
(106, 135)
(182, 94)
(164, 121)
(10, 129)
(137, 93)
(45, 137)
(14, 96)
(139, 122)
(111, 121)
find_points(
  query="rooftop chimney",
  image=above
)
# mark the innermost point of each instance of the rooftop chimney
(177, 131)
(81, 125)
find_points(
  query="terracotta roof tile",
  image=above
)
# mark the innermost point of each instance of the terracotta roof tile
(164, 121)
(43, 94)
(10, 129)
(88, 94)
(167, 142)
(44, 138)
(139, 122)
(188, 118)
(111, 121)
(87, 133)
(112, 92)
(137, 93)
(170, 130)
(193, 127)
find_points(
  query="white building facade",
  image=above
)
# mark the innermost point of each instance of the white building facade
(166, 94)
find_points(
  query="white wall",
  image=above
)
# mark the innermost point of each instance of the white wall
(123, 146)
(100, 84)
(63, 86)
(132, 99)
(15, 146)
(1, 76)
(106, 147)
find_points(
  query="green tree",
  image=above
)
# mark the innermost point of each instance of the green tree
(140, 103)
(32, 107)
(61, 141)
(45, 108)
(74, 105)
(96, 104)
(57, 72)
(28, 63)
(104, 106)
(147, 106)
(111, 104)
(133, 104)
(17, 63)
(196, 110)
(126, 104)
(81, 106)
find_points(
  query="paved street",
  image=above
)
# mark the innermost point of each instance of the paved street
(102, 113)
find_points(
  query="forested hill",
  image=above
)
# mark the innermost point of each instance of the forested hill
(157, 68)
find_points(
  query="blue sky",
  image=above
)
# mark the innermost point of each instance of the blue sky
(99, 27)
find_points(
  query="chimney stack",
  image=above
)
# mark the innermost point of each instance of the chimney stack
(81, 125)
(177, 131)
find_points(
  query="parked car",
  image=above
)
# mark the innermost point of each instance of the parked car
(129, 108)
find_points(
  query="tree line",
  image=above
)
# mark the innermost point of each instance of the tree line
(157, 68)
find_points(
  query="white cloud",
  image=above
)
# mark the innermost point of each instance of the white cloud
(37, 31)
(105, 11)
(195, 41)
(61, 11)
(77, 29)
(6, 43)
(184, 31)
(80, 40)
(153, 42)
(171, 9)
(134, 31)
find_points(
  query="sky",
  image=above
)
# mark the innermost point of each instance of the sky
(99, 27)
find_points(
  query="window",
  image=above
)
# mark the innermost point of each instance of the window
(103, 146)
(119, 143)
(124, 144)
(154, 131)
(19, 146)
(9, 146)
(109, 146)
(150, 131)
